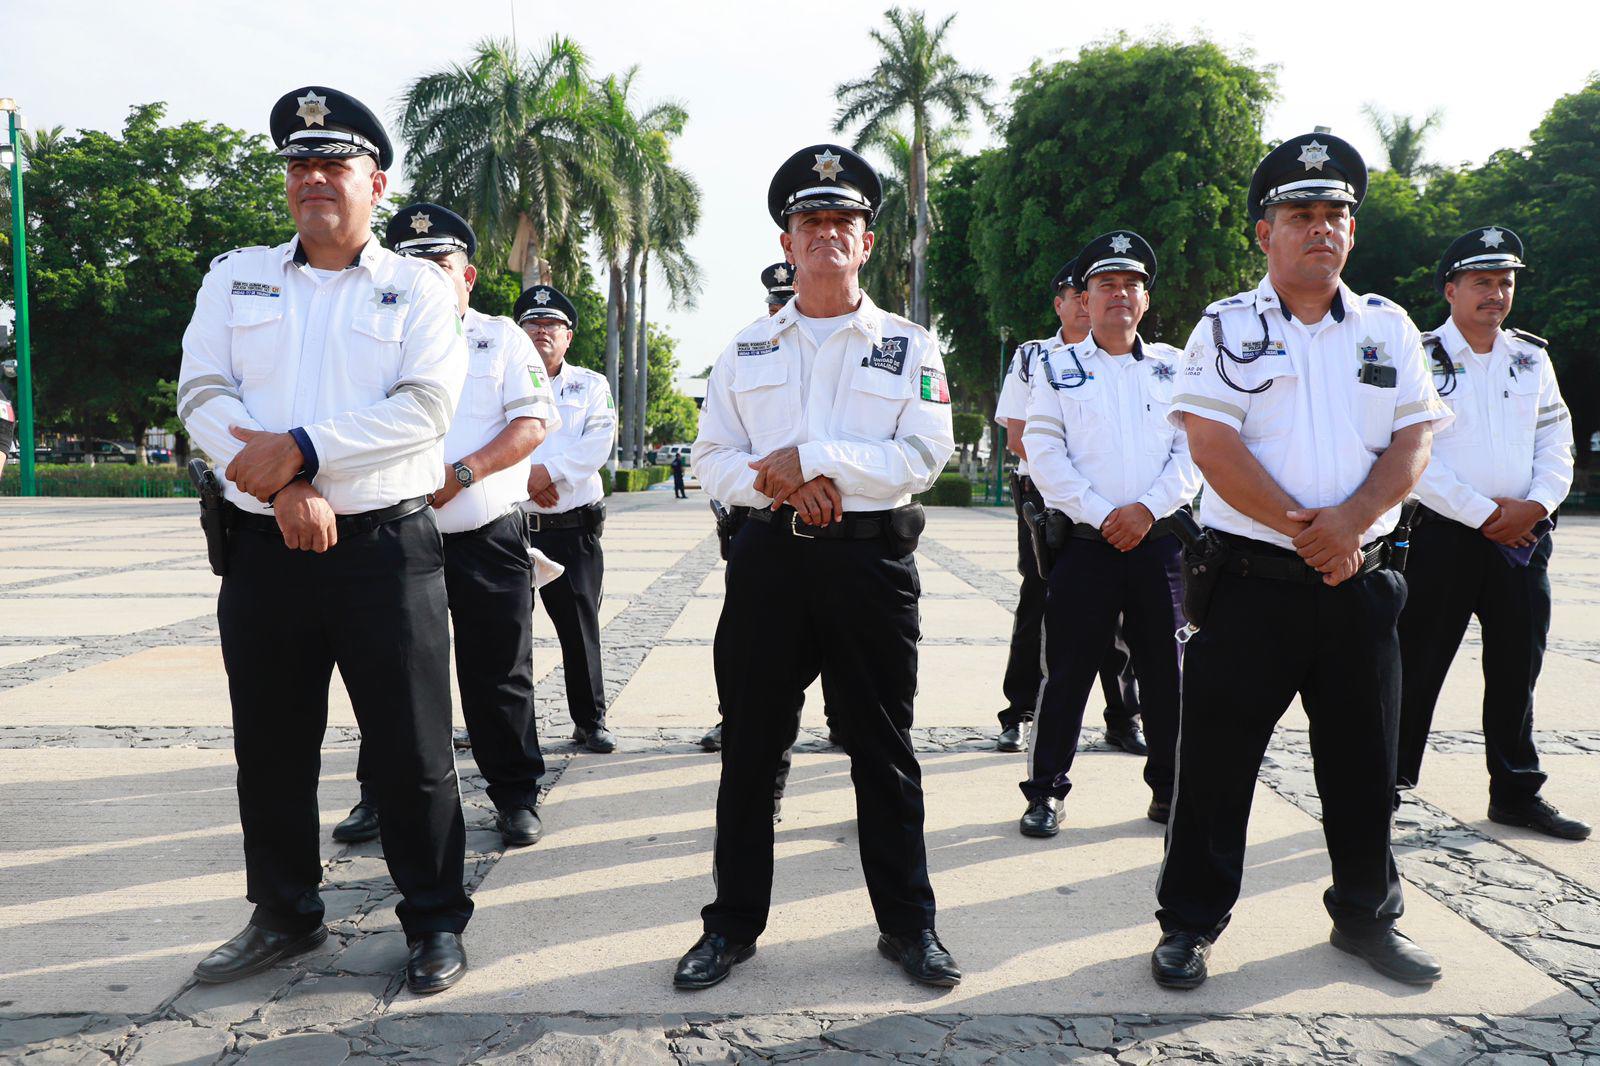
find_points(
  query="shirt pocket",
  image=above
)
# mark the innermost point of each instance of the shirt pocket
(1158, 429)
(872, 408)
(1374, 414)
(480, 397)
(374, 353)
(764, 400)
(1269, 414)
(1459, 401)
(1090, 427)
(254, 323)
(1522, 406)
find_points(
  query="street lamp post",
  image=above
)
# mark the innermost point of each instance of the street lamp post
(12, 155)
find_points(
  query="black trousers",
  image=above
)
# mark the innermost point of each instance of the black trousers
(1264, 641)
(1024, 673)
(797, 607)
(573, 603)
(1092, 585)
(1454, 573)
(374, 605)
(677, 485)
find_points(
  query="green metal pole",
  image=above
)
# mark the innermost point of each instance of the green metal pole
(19, 260)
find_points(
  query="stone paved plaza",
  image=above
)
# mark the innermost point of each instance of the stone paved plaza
(121, 865)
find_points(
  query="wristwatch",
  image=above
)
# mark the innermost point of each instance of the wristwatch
(463, 474)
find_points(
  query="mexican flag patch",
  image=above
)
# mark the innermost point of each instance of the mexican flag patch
(934, 387)
(536, 376)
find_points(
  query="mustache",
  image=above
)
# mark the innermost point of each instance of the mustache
(1320, 242)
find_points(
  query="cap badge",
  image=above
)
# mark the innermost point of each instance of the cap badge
(1313, 155)
(421, 223)
(541, 297)
(827, 165)
(781, 274)
(313, 108)
(1492, 238)
(1120, 243)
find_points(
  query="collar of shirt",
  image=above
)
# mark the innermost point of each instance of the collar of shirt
(1456, 345)
(1091, 345)
(867, 318)
(1266, 295)
(294, 253)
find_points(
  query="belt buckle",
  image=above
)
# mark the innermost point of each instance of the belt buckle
(534, 520)
(794, 527)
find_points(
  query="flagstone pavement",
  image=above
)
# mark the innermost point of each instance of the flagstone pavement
(121, 865)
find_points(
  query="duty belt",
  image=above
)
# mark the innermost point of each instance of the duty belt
(856, 525)
(349, 525)
(577, 518)
(1163, 527)
(1251, 558)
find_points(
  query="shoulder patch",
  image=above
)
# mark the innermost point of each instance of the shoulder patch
(1372, 299)
(755, 347)
(1532, 338)
(235, 251)
(1243, 299)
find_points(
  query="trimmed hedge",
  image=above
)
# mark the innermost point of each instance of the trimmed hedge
(951, 490)
(639, 479)
(161, 481)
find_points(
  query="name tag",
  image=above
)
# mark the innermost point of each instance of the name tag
(756, 348)
(1263, 348)
(257, 288)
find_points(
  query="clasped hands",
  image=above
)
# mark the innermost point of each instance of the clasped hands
(780, 476)
(265, 468)
(1329, 540)
(1512, 522)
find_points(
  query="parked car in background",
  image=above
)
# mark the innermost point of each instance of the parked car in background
(102, 451)
(158, 455)
(664, 455)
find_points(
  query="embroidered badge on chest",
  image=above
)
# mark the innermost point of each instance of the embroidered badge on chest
(389, 297)
(482, 344)
(1522, 362)
(1161, 371)
(890, 355)
(1372, 351)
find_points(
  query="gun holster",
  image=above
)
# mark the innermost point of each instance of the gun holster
(728, 523)
(1204, 555)
(213, 515)
(1035, 517)
(1400, 539)
(905, 528)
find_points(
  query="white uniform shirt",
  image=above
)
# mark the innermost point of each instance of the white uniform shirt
(576, 451)
(1106, 441)
(1013, 402)
(368, 362)
(1511, 436)
(869, 407)
(505, 381)
(1318, 429)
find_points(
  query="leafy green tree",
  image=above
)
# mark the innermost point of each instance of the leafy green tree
(970, 342)
(1157, 136)
(671, 416)
(916, 77)
(496, 293)
(121, 230)
(1401, 230)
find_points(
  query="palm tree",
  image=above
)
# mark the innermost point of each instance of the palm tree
(512, 142)
(673, 216)
(914, 75)
(887, 275)
(1403, 138)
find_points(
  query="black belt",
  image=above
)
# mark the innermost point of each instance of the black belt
(856, 525)
(1252, 558)
(349, 525)
(1162, 527)
(480, 531)
(578, 518)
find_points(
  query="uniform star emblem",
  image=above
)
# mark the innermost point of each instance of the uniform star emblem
(1120, 243)
(541, 297)
(1162, 371)
(421, 223)
(313, 108)
(782, 274)
(1492, 237)
(1373, 351)
(827, 165)
(1313, 155)
(389, 297)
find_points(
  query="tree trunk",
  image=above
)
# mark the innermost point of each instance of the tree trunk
(629, 332)
(919, 240)
(642, 396)
(140, 455)
(614, 341)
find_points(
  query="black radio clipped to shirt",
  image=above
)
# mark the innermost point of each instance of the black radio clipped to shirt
(1384, 377)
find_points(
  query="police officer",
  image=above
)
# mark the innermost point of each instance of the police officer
(321, 377)
(505, 410)
(1023, 673)
(566, 512)
(1484, 537)
(821, 422)
(778, 280)
(1106, 459)
(1309, 411)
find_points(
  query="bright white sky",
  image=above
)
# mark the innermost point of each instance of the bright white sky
(758, 77)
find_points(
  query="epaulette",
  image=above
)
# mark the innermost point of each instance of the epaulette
(235, 251)
(1372, 299)
(1532, 338)
(1232, 301)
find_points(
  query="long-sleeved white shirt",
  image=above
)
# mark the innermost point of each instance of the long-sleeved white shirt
(1318, 429)
(505, 382)
(869, 408)
(576, 451)
(1098, 435)
(1512, 436)
(367, 364)
(1015, 390)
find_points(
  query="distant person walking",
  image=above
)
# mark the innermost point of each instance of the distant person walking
(677, 477)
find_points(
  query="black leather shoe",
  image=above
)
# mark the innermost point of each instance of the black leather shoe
(922, 957)
(519, 826)
(360, 825)
(1040, 820)
(1538, 814)
(1179, 961)
(437, 961)
(1159, 811)
(710, 961)
(712, 741)
(1010, 739)
(253, 950)
(599, 739)
(1130, 738)
(1392, 954)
